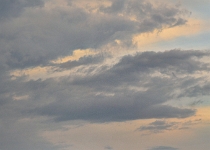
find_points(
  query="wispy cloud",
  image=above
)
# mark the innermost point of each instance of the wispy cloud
(163, 148)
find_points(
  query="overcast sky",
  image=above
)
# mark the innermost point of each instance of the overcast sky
(104, 75)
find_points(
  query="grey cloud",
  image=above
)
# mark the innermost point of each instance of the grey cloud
(13, 8)
(19, 132)
(28, 43)
(175, 59)
(109, 88)
(108, 147)
(33, 37)
(59, 36)
(116, 6)
(173, 112)
(108, 112)
(148, 15)
(118, 93)
(131, 68)
(158, 126)
(163, 148)
(195, 103)
(194, 87)
(197, 90)
(111, 95)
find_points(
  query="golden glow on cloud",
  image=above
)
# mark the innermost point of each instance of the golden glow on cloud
(23, 97)
(32, 73)
(204, 113)
(75, 56)
(40, 72)
(147, 39)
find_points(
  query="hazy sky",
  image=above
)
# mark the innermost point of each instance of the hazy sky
(104, 75)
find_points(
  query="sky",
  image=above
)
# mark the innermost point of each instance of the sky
(104, 75)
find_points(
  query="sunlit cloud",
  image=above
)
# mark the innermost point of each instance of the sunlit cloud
(192, 27)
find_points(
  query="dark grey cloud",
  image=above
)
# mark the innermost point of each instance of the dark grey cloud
(13, 8)
(177, 60)
(159, 126)
(131, 68)
(32, 35)
(27, 42)
(107, 112)
(110, 96)
(197, 90)
(108, 147)
(128, 90)
(19, 132)
(148, 15)
(163, 148)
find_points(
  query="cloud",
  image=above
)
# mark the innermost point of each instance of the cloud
(158, 126)
(14, 8)
(129, 90)
(130, 68)
(33, 33)
(197, 90)
(28, 43)
(136, 87)
(163, 148)
(108, 147)
(149, 15)
(192, 27)
(20, 133)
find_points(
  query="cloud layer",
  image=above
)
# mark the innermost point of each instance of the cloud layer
(111, 84)
(136, 87)
(29, 42)
(163, 148)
